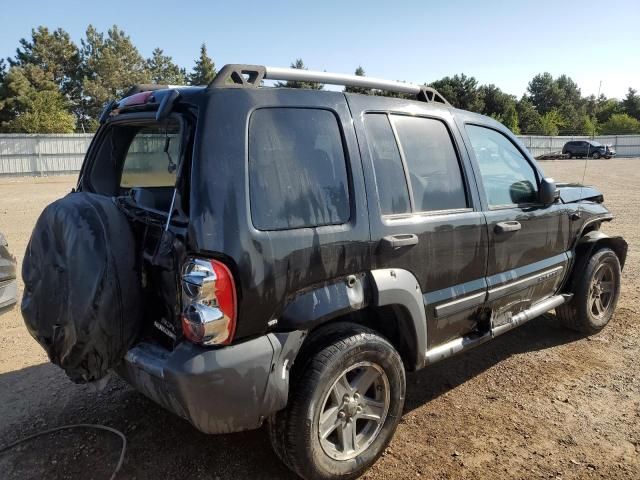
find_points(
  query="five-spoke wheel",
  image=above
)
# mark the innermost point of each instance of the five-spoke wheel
(345, 403)
(354, 411)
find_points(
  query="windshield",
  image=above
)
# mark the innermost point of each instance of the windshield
(596, 144)
(150, 160)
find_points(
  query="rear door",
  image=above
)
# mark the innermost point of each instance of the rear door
(423, 208)
(528, 241)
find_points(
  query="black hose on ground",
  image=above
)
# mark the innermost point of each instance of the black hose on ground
(77, 425)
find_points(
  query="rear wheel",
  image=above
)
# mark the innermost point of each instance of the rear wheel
(595, 296)
(344, 406)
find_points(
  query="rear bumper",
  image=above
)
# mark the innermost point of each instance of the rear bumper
(218, 390)
(8, 292)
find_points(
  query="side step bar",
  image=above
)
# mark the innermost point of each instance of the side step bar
(461, 344)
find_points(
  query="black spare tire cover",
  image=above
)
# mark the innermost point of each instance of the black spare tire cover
(82, 288)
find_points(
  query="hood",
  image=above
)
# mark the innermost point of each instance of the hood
(575, 192)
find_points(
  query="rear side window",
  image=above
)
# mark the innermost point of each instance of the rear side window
(297, 169)
(434, 169)
(391, 182)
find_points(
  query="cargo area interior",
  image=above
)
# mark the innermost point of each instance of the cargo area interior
(138, 159)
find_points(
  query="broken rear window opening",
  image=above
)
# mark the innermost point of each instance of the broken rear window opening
(150, 160)
(138, 159)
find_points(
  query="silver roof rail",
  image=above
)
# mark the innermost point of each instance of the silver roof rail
(248, 76)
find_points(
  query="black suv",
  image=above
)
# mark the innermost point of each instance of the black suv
(244, 254)
(587, 148)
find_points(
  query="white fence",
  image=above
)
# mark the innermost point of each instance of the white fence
(22, 154)
(624, 145)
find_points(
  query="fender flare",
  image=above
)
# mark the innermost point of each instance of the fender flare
(378, 288)
(395, 286)
(589, 243)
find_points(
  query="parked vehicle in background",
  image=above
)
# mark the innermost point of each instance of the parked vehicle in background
(8, 283)
(587, 148)
(245, 255)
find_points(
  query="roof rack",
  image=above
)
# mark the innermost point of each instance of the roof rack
(251, 76)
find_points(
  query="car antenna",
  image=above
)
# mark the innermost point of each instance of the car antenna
(593, 135)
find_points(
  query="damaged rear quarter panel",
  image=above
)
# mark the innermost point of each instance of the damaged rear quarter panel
(270, 267)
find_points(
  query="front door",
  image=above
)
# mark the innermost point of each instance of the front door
(528, 241)
(424, 215)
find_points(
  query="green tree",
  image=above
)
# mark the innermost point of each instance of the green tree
(31, 103)
(111, 64)
(587, 125)
(551, 122)
(55, 54)
(299, 64)
(620, 124)
(500, 106)
(162, 70)
(544, 93)
(366, 91)
(461, 92)
(529, 121)
(204, 70)
(631, 104)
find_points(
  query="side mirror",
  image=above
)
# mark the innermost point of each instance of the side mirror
(548, 192)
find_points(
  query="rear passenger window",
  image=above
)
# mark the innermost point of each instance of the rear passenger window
(391, 182)
(434, 170)
(297, 169)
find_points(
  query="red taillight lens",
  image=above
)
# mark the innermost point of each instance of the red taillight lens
(209, 302)
(225, 290)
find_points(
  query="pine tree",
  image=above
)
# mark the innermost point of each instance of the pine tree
(162, 70)
(111, 64)
(30, 102)
(366, 91)
(299, 64)
(204, 70)
(55, 54)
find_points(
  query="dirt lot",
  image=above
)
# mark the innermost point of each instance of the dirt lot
(538, 402)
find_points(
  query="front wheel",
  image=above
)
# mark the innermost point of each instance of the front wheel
(344, 406)
(569, 155)
(595, 294)
(596, 155)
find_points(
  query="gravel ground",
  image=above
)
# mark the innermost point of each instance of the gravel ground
(538, 402)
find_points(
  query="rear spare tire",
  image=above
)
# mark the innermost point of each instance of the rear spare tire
(82, 286)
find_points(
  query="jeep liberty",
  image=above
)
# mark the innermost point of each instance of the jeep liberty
(247, 255)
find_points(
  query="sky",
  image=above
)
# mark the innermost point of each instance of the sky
(501, 42)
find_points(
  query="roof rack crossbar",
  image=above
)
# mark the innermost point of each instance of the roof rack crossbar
(247, 76)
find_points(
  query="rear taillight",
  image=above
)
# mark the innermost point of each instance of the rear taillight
(209, 302)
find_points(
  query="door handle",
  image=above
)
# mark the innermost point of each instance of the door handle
(510, 226)
(400, 240)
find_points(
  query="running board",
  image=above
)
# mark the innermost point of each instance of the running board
(461, 344)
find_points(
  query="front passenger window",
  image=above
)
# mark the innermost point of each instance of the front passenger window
(507, 176)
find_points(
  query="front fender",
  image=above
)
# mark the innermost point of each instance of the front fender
(587, 245)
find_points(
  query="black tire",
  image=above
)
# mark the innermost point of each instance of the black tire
(294, 432)
(569, 155)
(580, 313)
(596, 156)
